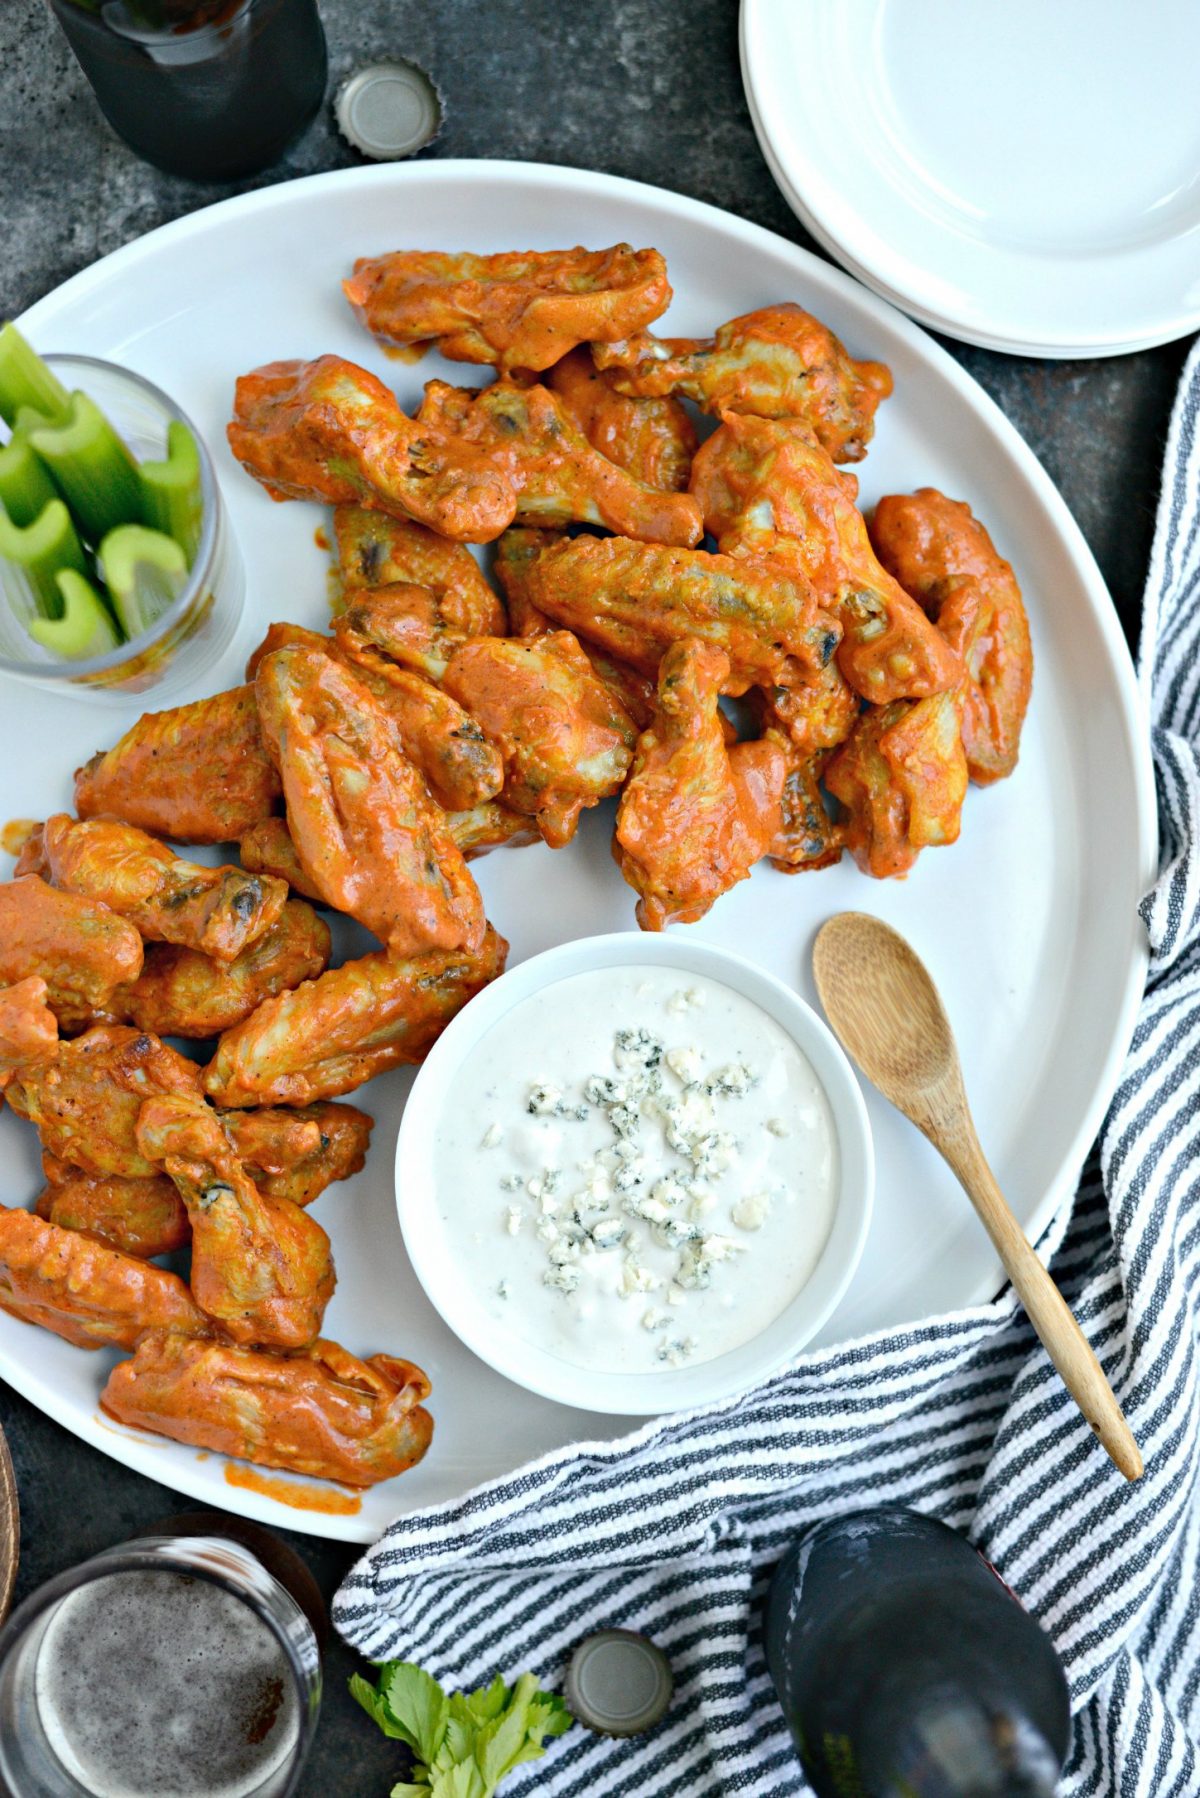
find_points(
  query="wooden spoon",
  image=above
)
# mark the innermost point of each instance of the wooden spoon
(879, 997)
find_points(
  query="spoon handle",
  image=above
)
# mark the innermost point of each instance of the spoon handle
(1048, 1311)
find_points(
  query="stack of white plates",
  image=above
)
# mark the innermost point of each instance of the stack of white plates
(1023, 174)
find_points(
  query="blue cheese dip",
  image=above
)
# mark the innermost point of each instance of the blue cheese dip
(640, 1170)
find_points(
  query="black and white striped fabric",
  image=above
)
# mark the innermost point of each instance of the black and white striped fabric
(670, 1530)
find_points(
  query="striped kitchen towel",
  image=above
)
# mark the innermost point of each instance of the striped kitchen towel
(672, 1529)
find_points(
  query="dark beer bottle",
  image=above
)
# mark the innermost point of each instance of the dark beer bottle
(907, 1669)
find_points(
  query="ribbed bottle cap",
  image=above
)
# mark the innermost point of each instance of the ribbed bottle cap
(618, 1683)
(388, 110)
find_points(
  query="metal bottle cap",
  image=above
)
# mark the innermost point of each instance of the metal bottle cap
(388, 110)
(618, 1683)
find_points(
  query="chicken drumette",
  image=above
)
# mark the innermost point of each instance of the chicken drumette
(779, 362)
(566, 741)
(82, 950)
(695, 814)
(142, 1217)
(356, 1021)
(941, 554)
(558, 476)
(323, 1413)
(518, 309)
(329, 430)
(375, 550)
(199, 773)
(771, 494)
(219, 911)
(369, 837)
(261, 1267)
(902, 777)
(654, 440)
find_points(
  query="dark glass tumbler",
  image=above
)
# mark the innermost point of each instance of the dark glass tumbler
(210, 89)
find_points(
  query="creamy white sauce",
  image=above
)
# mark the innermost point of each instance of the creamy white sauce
(639, 1171)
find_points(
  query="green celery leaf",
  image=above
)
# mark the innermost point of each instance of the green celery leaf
(418, 1703)
(404, 1790)
(458, 1741)
(462, 1781)
(376, 1707)
(488, 1701)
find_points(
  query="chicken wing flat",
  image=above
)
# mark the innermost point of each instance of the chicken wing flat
(296, 1154)
(329, 430)
(323, 1413)
(941, 554)
(520, 309)
(28, 1028)
(695, 814)
(198, 773)
(769, 491)
(183, 993)
(375, 550)
(635, 599)
(141, 1217)
(779, 362)
(559, 477)
(219, 911)
(902, 778)
(653, 440)
(261, 1267)
(81, 949)
(368, 835)
(516, 553)
(268, 849)
(356, 1021)
(565, 740)
(488, 827)
(84, 1103)
(84, 1290)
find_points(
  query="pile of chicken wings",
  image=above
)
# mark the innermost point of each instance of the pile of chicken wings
(642, 576)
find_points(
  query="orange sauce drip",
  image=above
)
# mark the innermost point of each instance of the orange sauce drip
(320, 537)
(404, 352)
(15, 834)
(330, 1499)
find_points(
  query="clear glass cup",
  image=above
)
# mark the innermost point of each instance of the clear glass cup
(198, 625)
(51, 1752)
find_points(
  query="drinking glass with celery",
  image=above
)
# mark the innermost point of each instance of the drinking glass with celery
(105, 542)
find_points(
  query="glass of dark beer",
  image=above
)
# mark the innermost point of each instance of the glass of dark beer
(211, 89)
(173, 1664)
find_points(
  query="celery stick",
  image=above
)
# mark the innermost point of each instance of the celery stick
(92, 468)
(171, 497)
(25, 380)
(25, 485)
(86, 627)
(41, 549)
(144, 572)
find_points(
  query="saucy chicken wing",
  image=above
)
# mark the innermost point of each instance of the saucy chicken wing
(902, 778)
(82, 950)
(814, 715)
(323, 1413)
(329, 430)
(219, 911)
(635, 599)
(368, 835)
(770, 492)
(141, 1217)
(83, 1290)
(695, 814)
(375, 550)
(356, 1021)
(28, 1028)
(183, 993)
(296, 1153)
(779, 362)
(491, 826)
(558, 476)
(84, 1103)
(519, 309)
(198, 773)
(565, 740)
(261, 1267)
(268, 849)
(653, 440)
(941, 554)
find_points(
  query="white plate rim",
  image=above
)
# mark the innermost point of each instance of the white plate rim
(141, 1452)
(1048, 345)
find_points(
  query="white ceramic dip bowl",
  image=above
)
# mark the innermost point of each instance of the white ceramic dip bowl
(435, 1220)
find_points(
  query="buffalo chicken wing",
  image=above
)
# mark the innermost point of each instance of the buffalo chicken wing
(82, 950)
